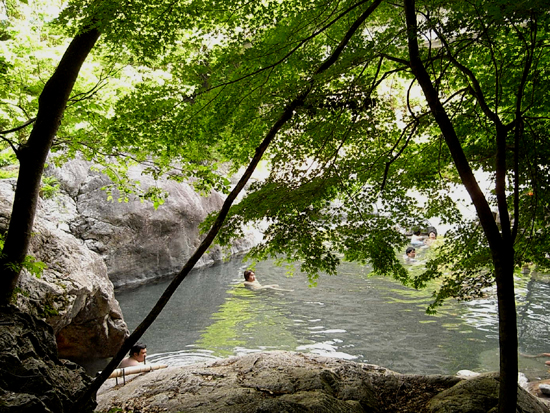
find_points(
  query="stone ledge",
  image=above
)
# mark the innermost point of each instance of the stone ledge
(297, 382)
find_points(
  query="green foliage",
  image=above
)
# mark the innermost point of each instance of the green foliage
(190, 89)
(30, 263)
(18, 290)
(345, 166)
(49, 311)
(8, 174)
(30, 50)
(50, 187)
(7, 158)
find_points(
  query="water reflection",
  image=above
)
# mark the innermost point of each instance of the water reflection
(350, 316)
(248, 320)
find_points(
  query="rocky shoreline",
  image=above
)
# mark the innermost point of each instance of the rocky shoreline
(296, 382)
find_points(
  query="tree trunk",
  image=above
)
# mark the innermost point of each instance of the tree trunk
(507, 326)
(32, 157)
(501, 248)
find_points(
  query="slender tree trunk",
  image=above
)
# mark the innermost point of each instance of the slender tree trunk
(501, 247)
(32, 157)
(90, 392)
(286, 115)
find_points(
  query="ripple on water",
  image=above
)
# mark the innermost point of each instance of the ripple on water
(183, 357)
(327, 349)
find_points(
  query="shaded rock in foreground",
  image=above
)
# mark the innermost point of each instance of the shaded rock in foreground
(32, 378)
(276, 382)
(480, 395)
(296, 382)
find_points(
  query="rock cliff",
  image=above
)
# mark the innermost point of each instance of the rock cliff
(74, 294)
(89, 244)
(137, 242)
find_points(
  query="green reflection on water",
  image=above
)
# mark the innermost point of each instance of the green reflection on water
(248, 320)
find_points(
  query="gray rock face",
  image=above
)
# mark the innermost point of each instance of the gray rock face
(137, 242)
(74, 294)
(89, 244)
(273, 382)
(32, 378)
(296, 382)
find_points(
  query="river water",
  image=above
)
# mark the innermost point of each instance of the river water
(352, 316)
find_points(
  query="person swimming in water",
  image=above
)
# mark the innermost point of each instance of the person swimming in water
(410, 255)
(417, 240)
(253, 284)
(431, 238)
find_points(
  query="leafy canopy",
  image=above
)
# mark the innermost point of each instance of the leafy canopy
(190, 89)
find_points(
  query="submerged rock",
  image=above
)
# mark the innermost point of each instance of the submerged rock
(32, 378)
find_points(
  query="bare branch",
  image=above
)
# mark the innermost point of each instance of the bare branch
(23, 126)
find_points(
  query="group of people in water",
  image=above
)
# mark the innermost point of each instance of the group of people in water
(138, 352)
(419, 241)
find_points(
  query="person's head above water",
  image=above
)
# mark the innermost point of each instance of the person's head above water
(411, 252)
(249, 275)
(137, 355)
(139, 352)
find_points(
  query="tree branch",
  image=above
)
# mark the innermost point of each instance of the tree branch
(8, 141)
(518, 131)
(461, 162)
(23, 126)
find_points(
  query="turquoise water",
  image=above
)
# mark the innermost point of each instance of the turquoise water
(352, 316)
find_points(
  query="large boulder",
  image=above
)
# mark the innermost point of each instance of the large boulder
(32, 378)
(480, 395)
(73, 294)
(264, 382)
(274, 382)
(296, 382)
(137, 242)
